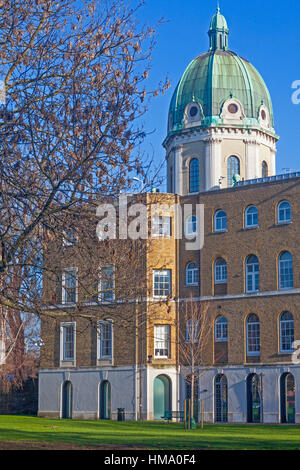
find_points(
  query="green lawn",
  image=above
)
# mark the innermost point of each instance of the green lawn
(148, 435)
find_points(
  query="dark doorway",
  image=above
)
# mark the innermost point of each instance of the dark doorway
(254, 398)
(287, 398)
(221, 399)
(105, 400)
(67, 398)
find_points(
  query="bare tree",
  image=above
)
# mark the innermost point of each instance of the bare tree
(74, 91)
(194, 335)
(73, 75)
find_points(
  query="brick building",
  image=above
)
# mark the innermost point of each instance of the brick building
(221, 165)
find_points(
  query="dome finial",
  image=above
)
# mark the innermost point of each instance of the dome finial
(218, 31)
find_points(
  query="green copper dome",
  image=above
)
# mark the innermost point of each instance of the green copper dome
(215, 77)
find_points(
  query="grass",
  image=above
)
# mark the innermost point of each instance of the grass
(149, 435)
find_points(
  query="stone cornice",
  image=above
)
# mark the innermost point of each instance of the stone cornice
(248, 136)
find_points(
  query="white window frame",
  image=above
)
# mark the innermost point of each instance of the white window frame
(221, 336)
(169, 275)
(101, 292)
(285, 221)
(68, 238)
(223, 280)
(221, 218)
(252, 275)
(194, 274)
(63, 291)
(161, 227)
(251, 225)
(190, 222)
(281, 322)
(192, 326)
(252, 353)
(282, 263)
(100, 355)
(63, 327)
(164, 339)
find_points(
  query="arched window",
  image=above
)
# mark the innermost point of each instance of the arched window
(253, 335)
(194, 175)
(285, 271)
(233, 168)
(220, 271)
(287, 398)
(221, 399)
(251, 217)
(191, 226)
(220, 221)
(192, 333)
(252, 274)
(264, 170)
(284, 212)
(221, 329)
(286, 332)
(192, 274)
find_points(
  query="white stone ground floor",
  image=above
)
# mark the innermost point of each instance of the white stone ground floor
(234, 394)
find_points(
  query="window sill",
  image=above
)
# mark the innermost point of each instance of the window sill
(220, 231)
(288, 222)
(105, 361)
(164, 237)
(251, 228)
(69, 363)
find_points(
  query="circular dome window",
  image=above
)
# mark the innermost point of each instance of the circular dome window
(193, 111)
(263, 114)
(233, 108)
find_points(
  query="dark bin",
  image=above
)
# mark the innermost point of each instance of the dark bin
(121, 414)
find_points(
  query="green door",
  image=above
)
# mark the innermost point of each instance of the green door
(161, 396)
(105, 400)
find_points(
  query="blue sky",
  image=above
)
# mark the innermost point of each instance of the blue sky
(265, 33)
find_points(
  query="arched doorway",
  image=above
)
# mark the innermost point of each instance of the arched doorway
(67, 398)
(105, 400)
(161, 396)
(221, 399)
(287, 398)
(254, 399)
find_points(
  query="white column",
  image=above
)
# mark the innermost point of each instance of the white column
(272, 169)
(216, 162)
(177, 170)
(213, 163)
(252, 159)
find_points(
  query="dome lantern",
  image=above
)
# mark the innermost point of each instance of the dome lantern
(218, 32)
